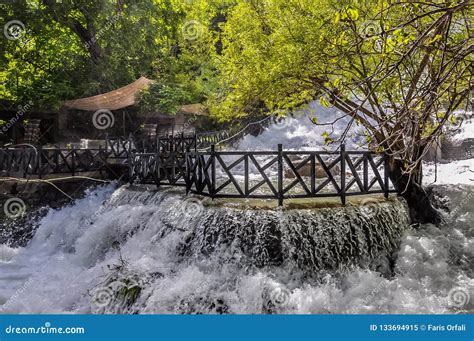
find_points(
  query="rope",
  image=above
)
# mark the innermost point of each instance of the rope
(238, 133)
(50, 181)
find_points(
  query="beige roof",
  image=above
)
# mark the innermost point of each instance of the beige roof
(113, 100)
(124, 97)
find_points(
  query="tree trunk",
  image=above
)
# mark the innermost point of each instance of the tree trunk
(421, 209)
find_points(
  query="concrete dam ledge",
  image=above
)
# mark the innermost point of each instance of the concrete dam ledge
(272, 204)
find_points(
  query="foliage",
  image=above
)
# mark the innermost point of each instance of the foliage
(73, 49)
(400, 69)
(163, 97)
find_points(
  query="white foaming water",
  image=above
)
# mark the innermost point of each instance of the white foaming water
(298, 132)
(186, 258)
(466, 129)
(128, 250)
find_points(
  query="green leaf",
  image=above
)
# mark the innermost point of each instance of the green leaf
(324, 102)
(353, 14)
(327, 138)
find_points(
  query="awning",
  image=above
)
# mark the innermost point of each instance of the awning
(124, 97)
(113, 100)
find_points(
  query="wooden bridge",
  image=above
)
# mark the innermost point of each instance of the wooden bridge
(177, 161)
(275, 174)
(27, 161)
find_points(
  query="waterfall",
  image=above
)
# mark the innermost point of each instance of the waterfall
(134, 249)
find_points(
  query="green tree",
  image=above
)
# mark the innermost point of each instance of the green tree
(73, 49)
(400, 69)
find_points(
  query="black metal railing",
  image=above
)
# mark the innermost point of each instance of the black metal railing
(176, 143)
(284, 175)
(158, 168)
(205, 140)
(176, 161)
(120, 147)
(22, 162)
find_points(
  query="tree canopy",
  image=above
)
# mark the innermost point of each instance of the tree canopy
(68, 49)
(400, 69)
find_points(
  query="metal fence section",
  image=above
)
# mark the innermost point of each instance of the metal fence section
(284, 175)
(176, 161)
(22, 162)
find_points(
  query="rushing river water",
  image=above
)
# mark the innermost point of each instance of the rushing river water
(128, 250)
(133, 251)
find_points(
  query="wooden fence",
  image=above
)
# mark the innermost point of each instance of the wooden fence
(286, 174)
(22, 162)
(175, 161)
(158, 168)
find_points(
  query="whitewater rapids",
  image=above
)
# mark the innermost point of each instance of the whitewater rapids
(128, 250)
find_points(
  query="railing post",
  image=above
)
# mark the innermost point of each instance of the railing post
(343, 174)
(130, 168)
(157, 169)
(246, 174)
(73, 160)
(280, 175)
(385, 168)
(40, 163)
(213, 171)
(25, 161)
(366, 171)
(187, 172)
